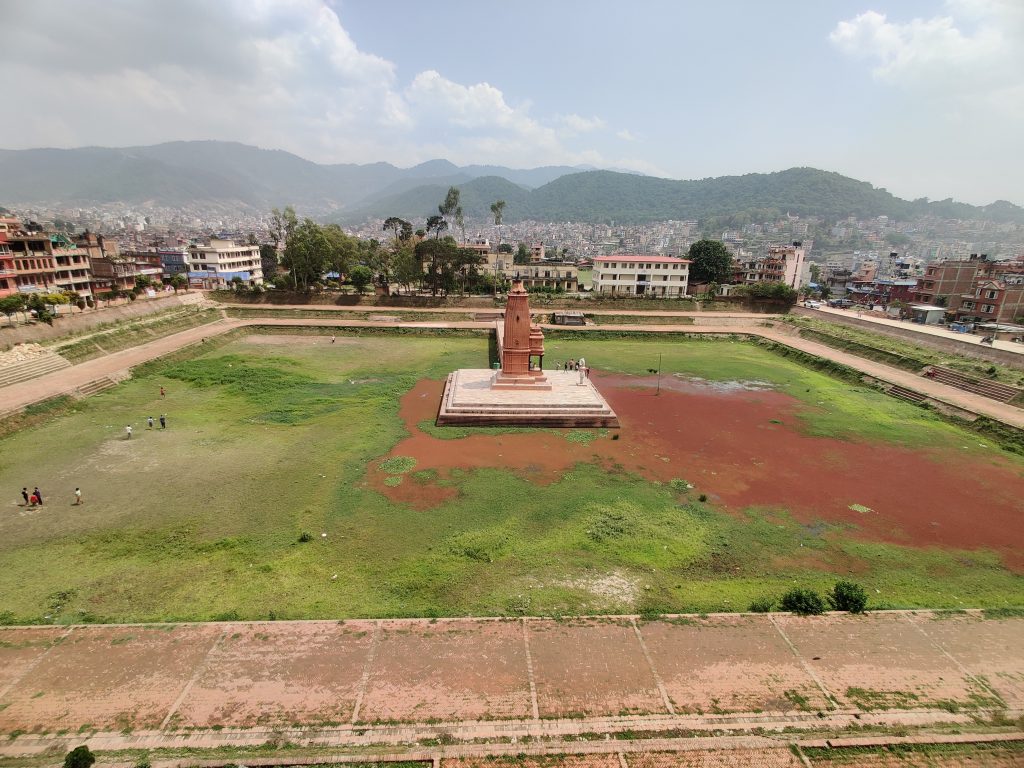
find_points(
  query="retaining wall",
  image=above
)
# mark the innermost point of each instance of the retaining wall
(938, 343)
(79, 322)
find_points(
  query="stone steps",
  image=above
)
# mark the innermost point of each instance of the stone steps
(903, 393)
(95, 386)
(39, 365)
(990, 389)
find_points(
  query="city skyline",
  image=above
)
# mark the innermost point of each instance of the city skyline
(923, 98)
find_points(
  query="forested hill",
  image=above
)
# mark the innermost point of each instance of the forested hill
(599, 196)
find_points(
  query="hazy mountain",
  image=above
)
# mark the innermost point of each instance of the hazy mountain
(229, 175)
(222, 173)
(416, 204)
(597, 196)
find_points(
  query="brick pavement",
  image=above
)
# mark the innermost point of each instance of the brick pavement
(359, 683)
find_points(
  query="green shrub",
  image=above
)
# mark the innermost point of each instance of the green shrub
(848, 596)
(305, 536)
(79, 757)
(762, 605)
(805, 602)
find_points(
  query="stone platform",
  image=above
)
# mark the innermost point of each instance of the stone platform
(469, 400)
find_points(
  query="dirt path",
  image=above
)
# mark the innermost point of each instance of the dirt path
(19, 395)
(399, 682)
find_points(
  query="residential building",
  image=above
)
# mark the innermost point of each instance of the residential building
(110, 271)
(553, 275)
(8, 285)
(946, 279)
(630, 274)
(34, 268)
(883, 291)
(217, 264)
(992, 300)
(780, 263)
(74, 270)
(537, 253)
(174, 260)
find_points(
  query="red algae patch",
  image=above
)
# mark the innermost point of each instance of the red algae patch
(736, 444)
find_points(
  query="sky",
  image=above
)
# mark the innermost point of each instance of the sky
(922, 97)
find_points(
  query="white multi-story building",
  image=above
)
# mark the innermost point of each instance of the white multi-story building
(221, 261)
(630, 274)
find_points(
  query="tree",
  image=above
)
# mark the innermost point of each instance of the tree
(282, 224)
(344, 249)
(439, 257)
(505, 248)
(401, 228)
(848, 596)
(712, 263)
(451, 209)
(361, 277)
(437, 225)
(179, 281)
(268, 259)
(12, 305)
(406, 267)
(497, 209)
(815, 270)
(306, 253)
(79, 757)
(522, 255)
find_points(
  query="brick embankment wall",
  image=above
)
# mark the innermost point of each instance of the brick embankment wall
(80, 322)
(938, 343)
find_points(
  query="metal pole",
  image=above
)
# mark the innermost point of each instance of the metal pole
(659, 375)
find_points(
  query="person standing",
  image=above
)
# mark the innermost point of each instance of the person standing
(332, 339)
(128, 430)
(24, 495)
(38, 495)
(78, 496)
(163, 421)
(163, 392)
(149, 421)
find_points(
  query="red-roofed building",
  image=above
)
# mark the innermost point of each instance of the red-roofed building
(633, 274)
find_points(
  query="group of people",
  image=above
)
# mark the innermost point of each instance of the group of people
(577, 365)
(35, 499)
(149, 424)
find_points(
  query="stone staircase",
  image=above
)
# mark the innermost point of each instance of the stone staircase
(22, 365)
(990, 389)
(97, 385)
(903, 393)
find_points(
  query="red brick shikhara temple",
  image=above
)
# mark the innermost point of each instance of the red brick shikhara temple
(521, 392)
(521, 342)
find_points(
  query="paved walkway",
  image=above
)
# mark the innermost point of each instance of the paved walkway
(117, 364)
(394, 682)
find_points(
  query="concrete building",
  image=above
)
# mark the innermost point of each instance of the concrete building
(110, 272)
(34, 268)
(7, 273)
(992, 300)
(629, 274)
(217, 264)
(552, 275)
(946, 279)
(780, 263)
(74, 269)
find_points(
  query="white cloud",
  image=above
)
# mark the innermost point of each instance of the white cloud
(275, 73)
(573, 125)
(977, 47)
(626, 135)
